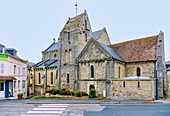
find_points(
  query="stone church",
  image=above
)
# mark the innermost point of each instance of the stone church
(87, 60)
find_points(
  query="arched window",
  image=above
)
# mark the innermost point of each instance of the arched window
(92, 71)
(86, 36)
(138, 71)
(39, 78)
(68, 78)
(124, 84)
(51, 77)
(55, 55)
(138, 84)
(68, 36)
(119, 71)
(85, 24)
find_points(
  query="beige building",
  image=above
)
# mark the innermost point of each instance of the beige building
(43, 75)
(86, 60)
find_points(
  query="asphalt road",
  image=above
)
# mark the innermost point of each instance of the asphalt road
(19, 109)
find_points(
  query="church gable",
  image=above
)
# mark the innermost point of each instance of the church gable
(93, 51)
(103, 37)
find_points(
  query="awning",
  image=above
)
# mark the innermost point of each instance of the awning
(7, 78)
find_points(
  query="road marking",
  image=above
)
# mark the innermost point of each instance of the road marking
(39, 115)
(55, 104)
(52, 106)
(49, 109)
(49, 112)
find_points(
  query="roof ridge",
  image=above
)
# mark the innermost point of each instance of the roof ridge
(49, 46)
(133, 40)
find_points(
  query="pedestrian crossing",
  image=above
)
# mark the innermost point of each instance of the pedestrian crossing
(47, 110)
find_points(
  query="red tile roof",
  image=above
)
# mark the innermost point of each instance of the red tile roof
(7, 78)
(143, 49)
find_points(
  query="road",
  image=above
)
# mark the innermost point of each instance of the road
(19, 109)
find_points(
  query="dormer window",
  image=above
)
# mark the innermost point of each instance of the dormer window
(68, 36)
(85, 24)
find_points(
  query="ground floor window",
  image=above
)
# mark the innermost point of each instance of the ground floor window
(23, 84)
(68, 78)
(1, 86)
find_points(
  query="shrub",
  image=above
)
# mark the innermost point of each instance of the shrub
(20, 94)
(92, 93)
(84, 93)
(61, 92)
(77, 93)
(67, 92)
(72, 93)
(64, 89)
(57, 91)
(54, 92)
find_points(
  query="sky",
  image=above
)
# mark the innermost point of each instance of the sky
(29, 26)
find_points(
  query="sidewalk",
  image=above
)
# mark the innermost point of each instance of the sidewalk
(91, 101)
(162, 101)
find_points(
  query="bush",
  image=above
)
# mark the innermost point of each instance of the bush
(92, 93)
(77, 93)
(54, 92)
(57, 91)
(67, 92)
(20, 94)
(72, 93)
(84, 93)
(61, 92)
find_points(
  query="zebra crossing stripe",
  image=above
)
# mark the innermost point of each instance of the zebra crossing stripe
(52, 106)
(49, 112)
(39, 115)
(49, 109)
(55, 104)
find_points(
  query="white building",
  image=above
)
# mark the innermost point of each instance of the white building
(12, 73)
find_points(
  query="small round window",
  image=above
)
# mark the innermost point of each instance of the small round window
(55, 56)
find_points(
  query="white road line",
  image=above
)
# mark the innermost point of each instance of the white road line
(55, 104)
(52, 106)
(39, 115)
(49, 109)
(50, 112)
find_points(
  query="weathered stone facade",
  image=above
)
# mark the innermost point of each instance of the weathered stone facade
(42, 76)
(133, 89)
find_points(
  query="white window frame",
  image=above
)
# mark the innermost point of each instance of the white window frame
(2, 68)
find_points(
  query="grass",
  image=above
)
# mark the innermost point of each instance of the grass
(50, 98)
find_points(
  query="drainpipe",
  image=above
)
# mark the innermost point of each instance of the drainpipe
(34, 82)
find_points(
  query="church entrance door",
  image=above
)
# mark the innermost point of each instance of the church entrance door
(91, 87)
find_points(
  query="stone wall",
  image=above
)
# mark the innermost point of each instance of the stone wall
(99, 70)
(103, 38)
(99, 86)
(131, 90)
(122, 66)
(146, 68)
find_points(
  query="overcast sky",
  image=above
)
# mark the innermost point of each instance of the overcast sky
(30, 25)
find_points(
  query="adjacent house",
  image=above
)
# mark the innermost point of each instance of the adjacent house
(12, 73)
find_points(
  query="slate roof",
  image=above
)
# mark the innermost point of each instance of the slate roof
(30, 64)
(96, 33)
(46, 63)
(52, 47)
(54, 64)
(111, 51)
(7, 78)
(144, 49)
(2, 45)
